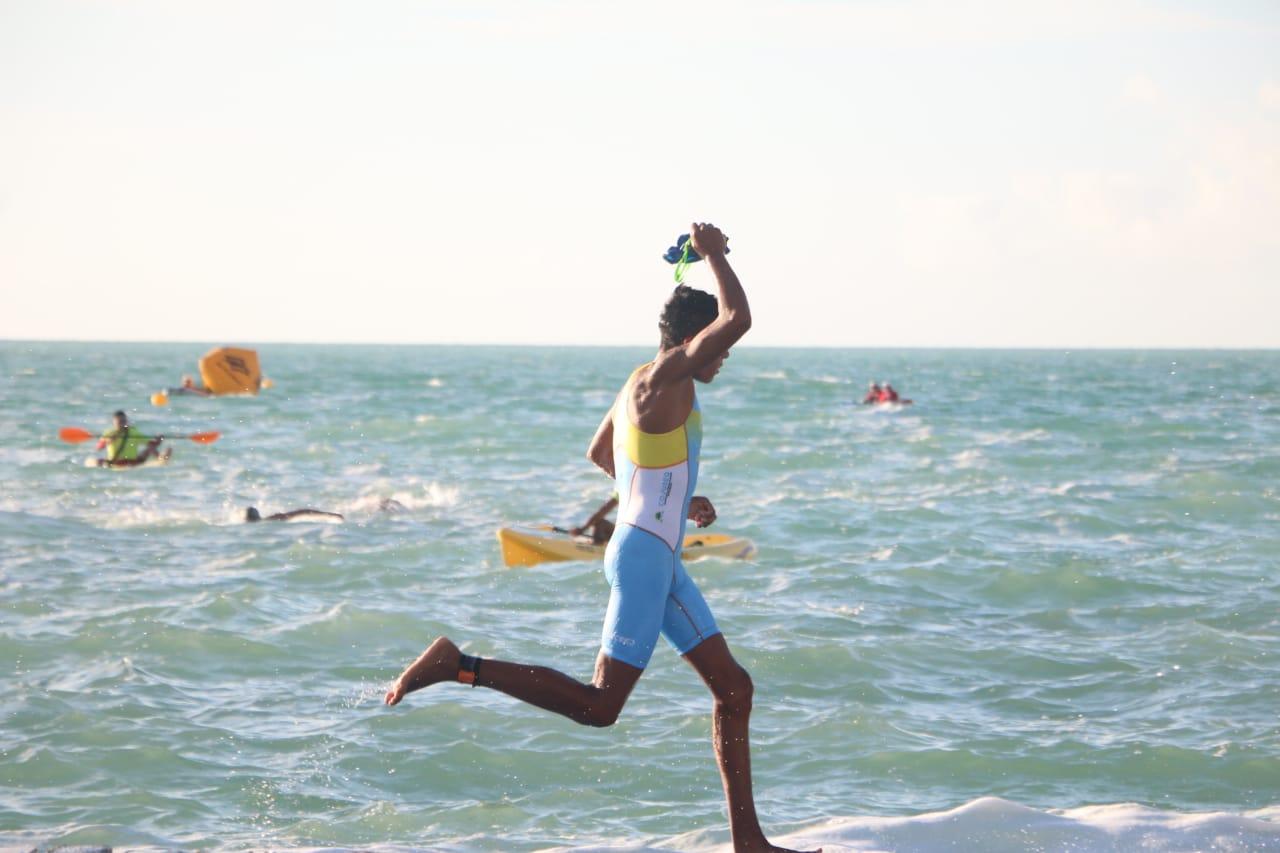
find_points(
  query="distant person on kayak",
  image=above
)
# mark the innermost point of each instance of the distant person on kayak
(891, 396)
(189, 386)
(883, 394)
(653, 432)
(251, 514)
(126, 444)
(601, 528)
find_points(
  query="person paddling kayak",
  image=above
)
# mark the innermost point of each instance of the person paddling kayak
(127, 446)
(878, 394)
(599, 528)
(654, 433)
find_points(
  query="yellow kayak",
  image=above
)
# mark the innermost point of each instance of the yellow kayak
(529, 546)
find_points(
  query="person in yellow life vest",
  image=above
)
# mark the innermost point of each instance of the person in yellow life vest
(126, 445)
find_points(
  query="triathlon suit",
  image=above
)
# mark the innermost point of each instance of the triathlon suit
(650, 591)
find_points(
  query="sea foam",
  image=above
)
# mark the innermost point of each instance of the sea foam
(994, 825)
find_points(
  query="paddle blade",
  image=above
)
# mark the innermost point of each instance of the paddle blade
(74, 435)
(205, 437)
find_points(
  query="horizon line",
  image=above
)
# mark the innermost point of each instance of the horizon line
(477, 344)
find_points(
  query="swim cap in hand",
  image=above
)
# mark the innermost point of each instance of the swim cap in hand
(682, 254)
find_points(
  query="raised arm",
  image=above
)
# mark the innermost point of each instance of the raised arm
(731, 322)
(300, 513)
(600, 451)
(606, 508)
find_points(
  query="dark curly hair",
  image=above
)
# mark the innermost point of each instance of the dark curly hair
(686, 313)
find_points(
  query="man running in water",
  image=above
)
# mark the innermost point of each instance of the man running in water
(653, 433)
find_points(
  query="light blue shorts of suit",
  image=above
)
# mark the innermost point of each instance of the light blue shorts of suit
(650, 594)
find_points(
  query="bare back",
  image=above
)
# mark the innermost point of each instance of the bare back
(658, 408)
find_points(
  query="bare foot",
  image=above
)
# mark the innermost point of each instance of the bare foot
(438, 663)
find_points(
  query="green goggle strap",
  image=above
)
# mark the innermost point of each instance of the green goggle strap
(683, 263)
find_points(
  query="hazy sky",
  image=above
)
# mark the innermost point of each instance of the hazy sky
(890, 173)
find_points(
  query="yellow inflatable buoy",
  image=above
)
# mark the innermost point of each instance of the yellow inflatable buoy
(160, 398)
(231, 370)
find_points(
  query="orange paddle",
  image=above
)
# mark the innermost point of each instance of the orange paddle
(75, 435)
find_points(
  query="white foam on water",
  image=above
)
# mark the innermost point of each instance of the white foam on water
(125, 516)
(993, 825)
(369, 694)
(1007, 436)
(883, 408)
(214, 564)
(367, 503)
(428, 495)
(851, 611)
(917, 435)
(971, 458)
(15, 456)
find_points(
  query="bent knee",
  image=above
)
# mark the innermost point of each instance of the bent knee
(733, 694)
(603, 709)
(601, 716)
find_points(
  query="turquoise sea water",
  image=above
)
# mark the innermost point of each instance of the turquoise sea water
(1051, 584)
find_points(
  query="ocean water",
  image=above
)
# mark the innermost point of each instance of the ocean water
(1037, 610)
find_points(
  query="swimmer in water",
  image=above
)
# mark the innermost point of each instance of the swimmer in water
(251, 514)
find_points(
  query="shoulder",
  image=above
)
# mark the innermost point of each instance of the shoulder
(638, 385)
(660, 406)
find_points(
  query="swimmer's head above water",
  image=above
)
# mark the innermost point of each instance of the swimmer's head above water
(252, 514)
